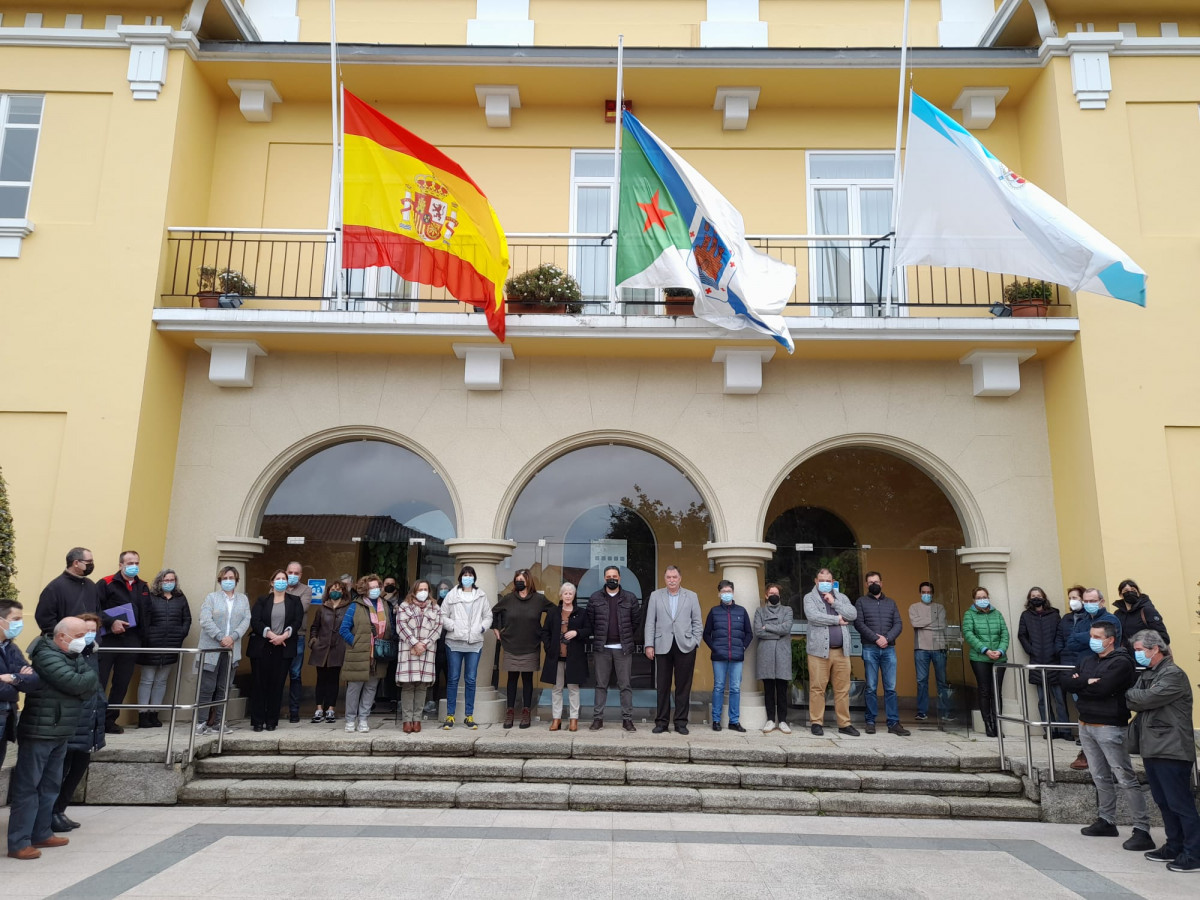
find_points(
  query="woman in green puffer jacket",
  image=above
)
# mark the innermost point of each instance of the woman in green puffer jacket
(986, 636)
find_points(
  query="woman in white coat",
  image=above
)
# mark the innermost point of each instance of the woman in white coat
(224, 621)
(466, 617)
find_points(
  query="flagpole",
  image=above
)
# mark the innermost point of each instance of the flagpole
(616, 200)
(887, 302)
(337, 175)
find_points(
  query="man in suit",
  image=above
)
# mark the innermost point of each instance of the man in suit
(673, 632)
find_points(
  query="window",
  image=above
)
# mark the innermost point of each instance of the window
(850, 193)
(20, 123)
(378, 289)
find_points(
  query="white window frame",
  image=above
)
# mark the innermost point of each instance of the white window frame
(13, 229)
(853, 187)
(370, 301)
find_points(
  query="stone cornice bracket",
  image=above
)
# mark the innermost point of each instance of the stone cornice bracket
(231, 363)
(996, 373)
(978, 105)
(985, 560)
(498, 102)
(485, 552)
(1091, 75)
(735, 104)
(255, 98)
(240, 548)
(148, 45)
(483, 365)
(743, 368)
(12, 232)
(732, 553)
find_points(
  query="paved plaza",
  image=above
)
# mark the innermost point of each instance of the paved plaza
(332, 853)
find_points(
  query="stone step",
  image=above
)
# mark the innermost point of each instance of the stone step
(632, 773)
(523, 795)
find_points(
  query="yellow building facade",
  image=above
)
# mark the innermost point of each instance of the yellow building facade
(923, 437)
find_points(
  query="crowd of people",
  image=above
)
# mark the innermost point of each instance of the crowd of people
(363, 635)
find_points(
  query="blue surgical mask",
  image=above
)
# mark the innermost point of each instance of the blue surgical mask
(280, 584)
(228, 584)
(168, 586)
(983, 603)
(293, 580)
(468, 581)
(1097, 645)
(374, 593)
(1091, 608)
(442, 592)
(927, 598)
(13, 629)
(1141, 657)
(89, 638)
(824, 586)
(132, 571)
(726, 597)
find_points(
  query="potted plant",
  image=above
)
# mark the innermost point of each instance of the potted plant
(678, 301)
(546, 289)
(1028, 299)
(221, 287)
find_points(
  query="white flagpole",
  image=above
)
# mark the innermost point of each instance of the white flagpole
(616, 199)
(891, 251)
(337, 175)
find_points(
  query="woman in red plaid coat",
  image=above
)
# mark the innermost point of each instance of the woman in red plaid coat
(418, 626)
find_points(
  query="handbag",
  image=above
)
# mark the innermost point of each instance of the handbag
(386, 650)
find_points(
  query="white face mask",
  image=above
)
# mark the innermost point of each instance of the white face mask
(77, 645)
(1076, 605)
(422, 596)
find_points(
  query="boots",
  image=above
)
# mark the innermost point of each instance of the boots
(144, 720)
(556, 725)
(154, 721)
(525, 720)
(509, 715)
(989, 725)
(573, 725)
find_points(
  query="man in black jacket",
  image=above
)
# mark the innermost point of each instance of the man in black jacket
(122, 589)
(1100, 681)
(879, 624)
(614, 617)
(70, 594)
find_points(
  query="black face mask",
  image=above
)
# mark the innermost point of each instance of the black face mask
(389, 589)
(89, 569)
(612, 584)
(1129, 596)
(1037, 602)
(519, 585)
(874, 589)
(772, 598)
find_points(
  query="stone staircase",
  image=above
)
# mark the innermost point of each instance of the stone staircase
(881, 775)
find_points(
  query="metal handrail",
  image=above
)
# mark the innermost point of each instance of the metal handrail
(1023, 695)
(174, 706)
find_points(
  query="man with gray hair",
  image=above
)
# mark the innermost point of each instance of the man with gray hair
(1162, 699)
(674, 627)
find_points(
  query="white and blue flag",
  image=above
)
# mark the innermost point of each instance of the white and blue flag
(962, 207)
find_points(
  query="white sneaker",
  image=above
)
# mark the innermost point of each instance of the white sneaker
(202, 728)
(349, 725)
(363, 727)
(784, 727)
(769, 727)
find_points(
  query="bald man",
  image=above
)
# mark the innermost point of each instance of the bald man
(47, 723)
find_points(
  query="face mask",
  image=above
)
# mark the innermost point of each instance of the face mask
(168, 586)
(389, 589)
(519, 585)
(1092, 608)
(335, 595)
(374, 593)
(824, 586)
(442, 592)
(983, 603)
(132, 571)
(726, 598)
(1037, 601)
(1097, 645)
(874, 589)
(1141, 657)
(76, 646)
(13, 629)
(772, 598)
(422, 596)
(228, 584)
(927, 598)
(89, 638)
(280, 584)
(89, 568)
(1129, 596)
(293, 580)
(1076, 605)
(612, 584)
(468, 581)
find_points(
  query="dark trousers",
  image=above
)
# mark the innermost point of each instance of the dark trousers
(269, 673)
(989, 702)
(295, 667)
(1057, 704)
(327, 686)
(35, 782)
(677, 665)
(75, 766)
(775, 694)
(120, 666)
(1171, 787)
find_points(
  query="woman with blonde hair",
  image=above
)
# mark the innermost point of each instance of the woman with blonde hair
(565, 638)
(418, 626)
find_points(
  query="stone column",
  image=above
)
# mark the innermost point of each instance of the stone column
(991, 565)
(742, 563)
(484, 556)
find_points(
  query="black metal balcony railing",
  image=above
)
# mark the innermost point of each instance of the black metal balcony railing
(837, 276)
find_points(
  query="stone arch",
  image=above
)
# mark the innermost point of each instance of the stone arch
(625, 438)
(270, 478)
(970, 516)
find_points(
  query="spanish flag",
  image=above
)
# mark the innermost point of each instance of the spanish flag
(408, 206)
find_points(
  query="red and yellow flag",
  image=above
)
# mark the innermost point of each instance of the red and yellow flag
(408, 206)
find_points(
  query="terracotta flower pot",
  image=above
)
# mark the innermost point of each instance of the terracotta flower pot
(209, 299)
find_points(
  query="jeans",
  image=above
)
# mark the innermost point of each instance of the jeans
(605, 661)
(75, 766)
(296, 686)
(456, 661)
(35, 782)
(1108, 762)
(1171, 787)
(726, 672)
(152, 686)
(878, 660)
(922, 659)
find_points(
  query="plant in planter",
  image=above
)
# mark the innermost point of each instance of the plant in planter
(1028, 299)
(546, 289)
(221, 287)
(678, 301)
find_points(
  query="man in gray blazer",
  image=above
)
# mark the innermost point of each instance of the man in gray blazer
(673, 631)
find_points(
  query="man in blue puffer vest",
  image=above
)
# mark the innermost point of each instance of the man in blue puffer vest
(728, 632)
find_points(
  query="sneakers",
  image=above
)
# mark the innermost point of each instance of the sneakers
(202, 729)
(817, 730)
(1080, 762)
(431, 708)
(449, 723)
(784, 727)
(349, 724)
(1139, 840)
(869, 728)
(849, 730)
(921, 717)
(1162, 854)
(769, 727)
(330, 715)
(469, 722)
(318, 717)
(363, 727)
(1184, 865)
(898, 730)
(1100, 828)
(737, 726)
